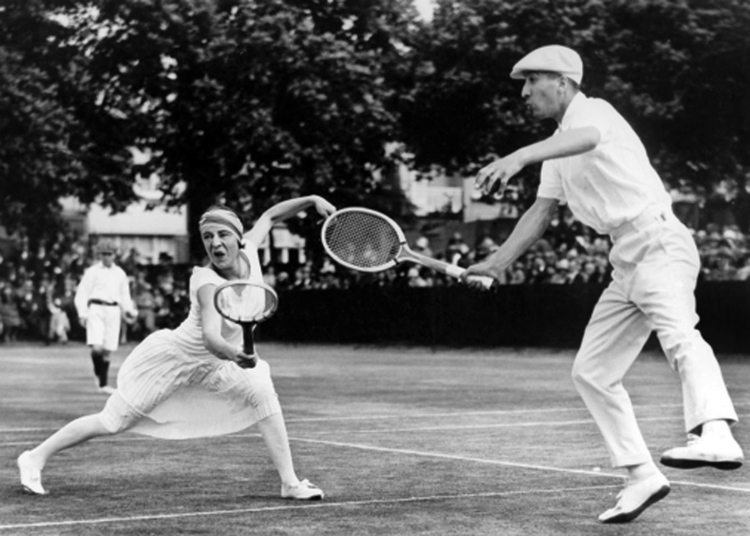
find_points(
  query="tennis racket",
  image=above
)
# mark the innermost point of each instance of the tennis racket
(368, 241)
(246, 303)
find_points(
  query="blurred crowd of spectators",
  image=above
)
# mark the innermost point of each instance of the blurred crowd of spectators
(569, 253)
(37, 288)
(37, 291)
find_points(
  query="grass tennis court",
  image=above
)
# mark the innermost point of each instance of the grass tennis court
(403, 441)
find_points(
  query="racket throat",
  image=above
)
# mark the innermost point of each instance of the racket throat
(248, 339)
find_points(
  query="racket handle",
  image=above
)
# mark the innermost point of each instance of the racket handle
(486, 282)
(248, 345)
(248, 363)
(456, 271)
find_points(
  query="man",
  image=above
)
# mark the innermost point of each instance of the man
(100, 297)
(598, 166)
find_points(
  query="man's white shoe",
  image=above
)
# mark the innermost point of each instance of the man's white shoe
(705, 451)
(303, 491)
(31, 477)
(635, 498)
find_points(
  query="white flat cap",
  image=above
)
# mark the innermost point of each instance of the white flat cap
(552, 58)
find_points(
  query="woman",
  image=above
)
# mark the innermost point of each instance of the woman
(193, 381)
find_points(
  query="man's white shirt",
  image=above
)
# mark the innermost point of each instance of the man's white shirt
(106, 284)
(611, 184)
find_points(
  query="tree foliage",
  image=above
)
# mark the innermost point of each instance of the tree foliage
(243, 102)
(677, 69)
(38, 127)
(251, 101)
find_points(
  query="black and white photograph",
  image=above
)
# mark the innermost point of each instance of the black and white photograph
(374, 267)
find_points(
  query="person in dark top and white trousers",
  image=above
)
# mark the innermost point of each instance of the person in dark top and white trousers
(102, 295)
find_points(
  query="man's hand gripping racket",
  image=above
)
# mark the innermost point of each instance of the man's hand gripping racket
(368, 241)
(247, 304)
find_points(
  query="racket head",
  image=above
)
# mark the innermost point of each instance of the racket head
(245, 302)
(362, 239)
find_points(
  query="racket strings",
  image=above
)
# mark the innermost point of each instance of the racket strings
(362, 240)
(246, 303)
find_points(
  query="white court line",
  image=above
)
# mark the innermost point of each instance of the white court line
(405, 416)
(295, 507)
(447, 414)
(456, 457)
(412, 416)
(417, 429)
(409, 452)
(399, 416)
(445, 428)
(120, 438)
(467, 413)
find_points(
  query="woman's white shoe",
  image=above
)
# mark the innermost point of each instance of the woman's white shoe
(31, 477)
(303, 491)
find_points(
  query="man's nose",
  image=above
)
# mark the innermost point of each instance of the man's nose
(525, 91)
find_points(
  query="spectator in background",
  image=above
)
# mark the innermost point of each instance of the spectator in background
(575, 271)
(161, 310)
(165, 259)
(517, 274)
(4, 268)
(558, 275)
(303, 277)
(44, 297)
(165, 279)
(177, 303)
(328, 276)
(588, 272)
(66, 292)
(743, 270)
(269, 275)
(77, 261)
(417, 278)
(146, 304)
(30, 307)
(536, 268)
(486, 247)
(11, 317)
(422, 246)
(283, 281)
(132, 262)
(603, 269)
(102, 294)
(457, 250)
(59, 325)
(722, 266)
(329, 280)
